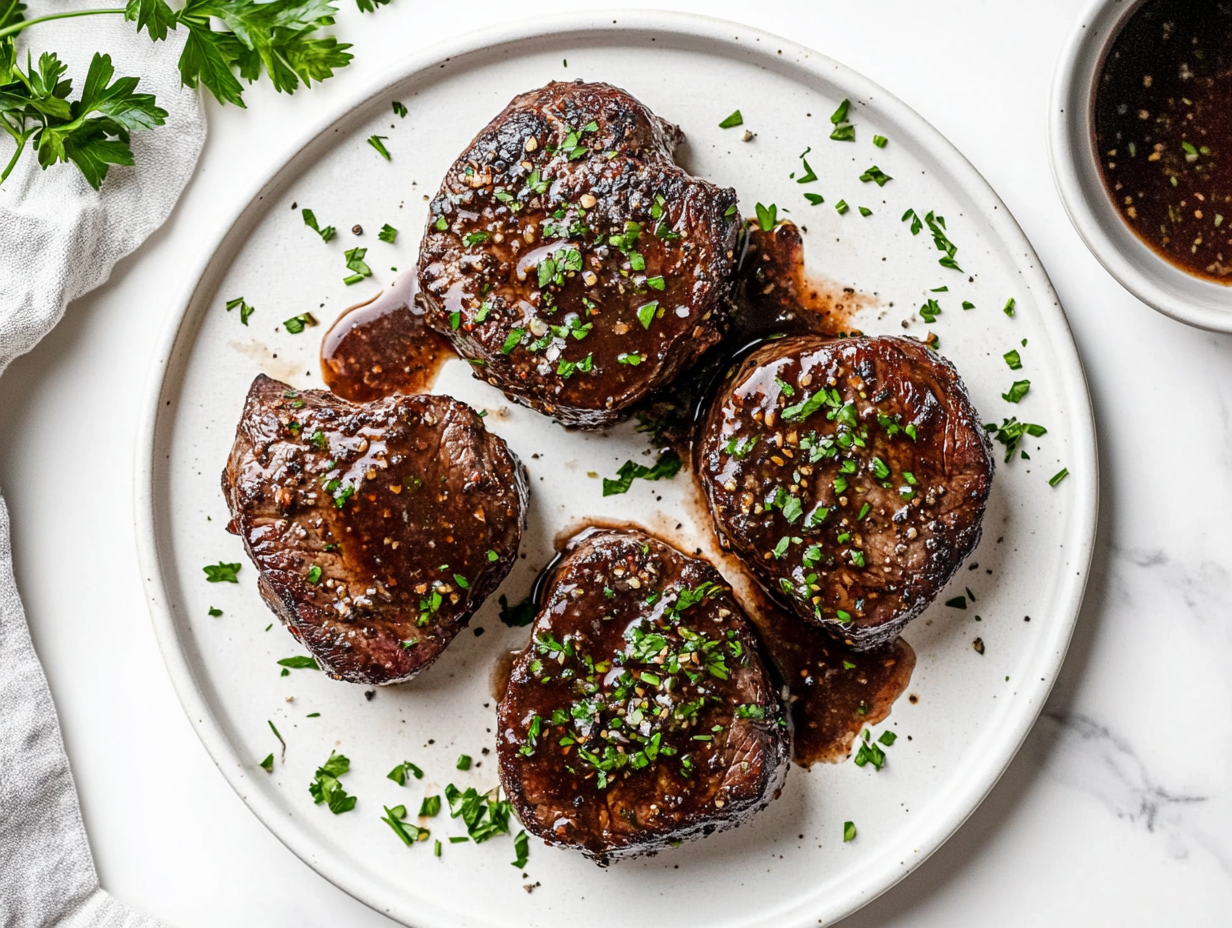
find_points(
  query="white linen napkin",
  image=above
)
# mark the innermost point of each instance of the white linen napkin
(60, 238)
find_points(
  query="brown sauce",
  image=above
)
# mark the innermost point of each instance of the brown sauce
(835, 692)
(498, 680)
(1163, 131)
(381, 347)
(774, 295)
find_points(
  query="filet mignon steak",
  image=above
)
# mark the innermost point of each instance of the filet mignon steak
(850, 474)
(571, 260)
(377, 529)
(641, 713)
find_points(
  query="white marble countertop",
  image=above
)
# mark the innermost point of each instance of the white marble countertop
(1117, 811)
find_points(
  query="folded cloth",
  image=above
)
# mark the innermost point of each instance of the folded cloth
(60, 238)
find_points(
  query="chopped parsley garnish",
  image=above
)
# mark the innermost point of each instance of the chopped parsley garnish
(878, 176)
(767, 216)
(646, 313)
(518, 615)
(566, 369)
(865, 211)
(735, 119)
(512, 340)
(1010, 433)
(880, 141)
(815, 198)
(297, 324)
(464, 762)
(222, 572)
(967, 304)
(1017, 391)
(813, 402)
(471, 239)
(849, 831)
(936, 225)
(958, 602)
(387, 234)
(326, 787)
(399, 109)
(930, 310)
(656, 283)
(484, 815)
(888, 737)
(407, 832)
(740, 447)
(398, 774)
(268, 764)
(809, 174)
(299, 662)
(355, 264)
(378, 142)
(1058, 476)
(521, 849)
(841, 207)
(1013, 359)
(214, 612)
(870, 753)
(843, 130)
(245, 309)
(1010, 306)
(430, 806)
(632, 360)
(310, 220)
(667, 466)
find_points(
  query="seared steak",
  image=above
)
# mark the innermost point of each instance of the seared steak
(570, 258)
(641, 713)
(851, 475)
(377, 529)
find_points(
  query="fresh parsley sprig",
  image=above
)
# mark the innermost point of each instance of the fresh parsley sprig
(280, 38)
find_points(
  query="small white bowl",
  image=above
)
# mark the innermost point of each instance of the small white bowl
(1075, 168)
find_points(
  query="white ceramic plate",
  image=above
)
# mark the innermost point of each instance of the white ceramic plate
(790, 866)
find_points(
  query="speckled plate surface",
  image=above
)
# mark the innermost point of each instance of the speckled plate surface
(790, 866)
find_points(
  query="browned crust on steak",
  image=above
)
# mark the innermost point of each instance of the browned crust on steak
(371, 580)
(714, 766)
(617, 218)
(781, 503)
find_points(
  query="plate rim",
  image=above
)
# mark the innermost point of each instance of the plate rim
(725, 37)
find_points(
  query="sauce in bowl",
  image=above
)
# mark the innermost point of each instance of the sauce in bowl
(1163, 131)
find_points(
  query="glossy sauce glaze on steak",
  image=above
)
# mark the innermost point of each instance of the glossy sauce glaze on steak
(377, 529)
(641, 713)
(850, 474)
(570, 258)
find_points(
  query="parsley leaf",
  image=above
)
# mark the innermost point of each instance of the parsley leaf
(245, 309)
(326, 787)
(668, 465)
(1017, 391)
(735, 119)
(300, 662)
(378, 142)
(767, 216)
(222, 572)
(355, 263)
(310, 220)
(91, 132)
(387, 234)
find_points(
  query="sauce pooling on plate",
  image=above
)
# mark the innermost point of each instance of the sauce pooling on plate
(1163, 131)
(382, 347)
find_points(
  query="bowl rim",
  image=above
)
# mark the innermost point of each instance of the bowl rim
(1075, 171)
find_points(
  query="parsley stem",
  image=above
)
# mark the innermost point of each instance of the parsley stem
(21, 146)
(25, 23)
